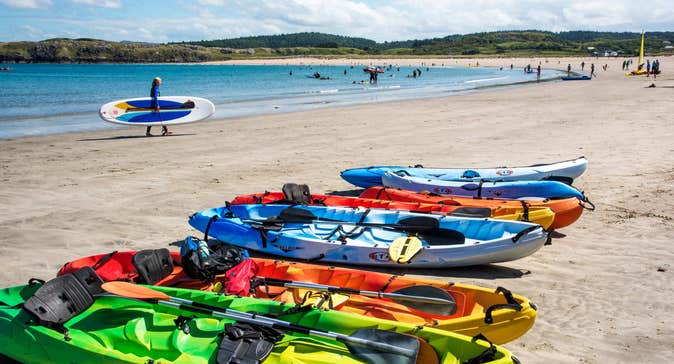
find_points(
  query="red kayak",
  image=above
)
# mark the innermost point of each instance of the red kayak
(299, 194)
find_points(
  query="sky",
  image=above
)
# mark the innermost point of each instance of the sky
(183, 20)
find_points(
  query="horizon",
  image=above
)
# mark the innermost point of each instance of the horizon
(179, 21)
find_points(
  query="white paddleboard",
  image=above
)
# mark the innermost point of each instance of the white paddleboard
(172, 110)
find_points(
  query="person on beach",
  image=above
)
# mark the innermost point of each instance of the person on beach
(154, 104)
(582, 66)
(592, 70)
(538, 73)
(568, 70)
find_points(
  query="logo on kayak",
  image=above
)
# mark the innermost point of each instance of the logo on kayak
(379, 256)
(504, 172)
(287, 248)
(442, 190)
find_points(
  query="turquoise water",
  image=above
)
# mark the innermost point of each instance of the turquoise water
(39, 99)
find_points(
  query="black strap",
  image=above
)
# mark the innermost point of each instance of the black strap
(208, 226)
(525, 207)
(511, 303)
(519, 235)
(103, 260)
(587, 204)
(486, 356)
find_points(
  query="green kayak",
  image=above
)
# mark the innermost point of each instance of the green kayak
(115, 329)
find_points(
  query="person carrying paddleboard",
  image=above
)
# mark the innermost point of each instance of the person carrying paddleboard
(154, 103)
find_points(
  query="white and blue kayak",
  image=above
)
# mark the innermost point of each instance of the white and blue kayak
(505, 189)
(370, 237)
(565, 171)
(172, 110)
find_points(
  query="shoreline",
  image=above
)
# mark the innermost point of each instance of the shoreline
(603, 288)
(227, 110)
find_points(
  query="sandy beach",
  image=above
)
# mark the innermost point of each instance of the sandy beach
(604, 290)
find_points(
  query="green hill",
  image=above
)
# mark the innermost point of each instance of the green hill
(504, 43)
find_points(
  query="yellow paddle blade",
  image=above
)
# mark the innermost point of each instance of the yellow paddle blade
(130, 290)
(403, 249)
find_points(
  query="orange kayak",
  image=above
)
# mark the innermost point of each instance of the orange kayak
(566, 210)
(496, 313)
(540, 215)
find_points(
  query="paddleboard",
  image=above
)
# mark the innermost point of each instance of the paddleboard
(172, 110)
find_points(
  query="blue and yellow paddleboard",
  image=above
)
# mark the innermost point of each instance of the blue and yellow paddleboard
(172, 110)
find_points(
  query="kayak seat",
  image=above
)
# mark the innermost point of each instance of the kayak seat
(298, 194)
(64, 297)
(153, 265)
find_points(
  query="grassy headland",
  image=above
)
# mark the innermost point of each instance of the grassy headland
(493, 44)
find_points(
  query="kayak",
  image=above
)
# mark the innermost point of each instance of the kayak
(537, 214)
(506, 189)
(564, 171)
(497, 314)
(369, 236)
(113, 329)
(566, 210)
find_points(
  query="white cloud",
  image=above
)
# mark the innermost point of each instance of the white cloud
(375, 19)
(26, 4)
(114, 4)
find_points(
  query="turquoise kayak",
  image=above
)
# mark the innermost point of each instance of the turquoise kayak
(366, 236)
(564, 171)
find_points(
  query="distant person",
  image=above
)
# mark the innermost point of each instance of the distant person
(372, 77)
(290, 73)
(592, 70)
(538, 73)
(154, 104)
(568, 70)
(317, 75)
(419, 72)
(511, 66)
(414, 73)
(648, 67)
(582, 66)
(345, 72)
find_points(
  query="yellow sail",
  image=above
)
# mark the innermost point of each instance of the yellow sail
(641, 67)
(641, 52)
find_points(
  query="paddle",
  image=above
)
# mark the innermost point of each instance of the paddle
(434, 300)
(425, 226)
(391, 347)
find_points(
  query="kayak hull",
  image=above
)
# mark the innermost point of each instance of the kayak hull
(506, 189)
(565, 171)
(120, 330)
(472, 302)
(486, 240)
(540, 215)
(567, 211)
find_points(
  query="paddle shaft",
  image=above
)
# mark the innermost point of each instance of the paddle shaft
(327, 288)
(417, 229)
(254, 319)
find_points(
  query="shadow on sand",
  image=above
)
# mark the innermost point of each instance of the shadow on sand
(121, 137)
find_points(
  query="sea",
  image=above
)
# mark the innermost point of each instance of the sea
(41, 99)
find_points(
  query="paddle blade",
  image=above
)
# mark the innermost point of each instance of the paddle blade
(372, 355)
(477, 212)
(403, 249)
(130, 290)
(445, 309)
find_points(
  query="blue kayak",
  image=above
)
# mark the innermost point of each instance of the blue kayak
(564, 171)
(505, 189)
(365, 236)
